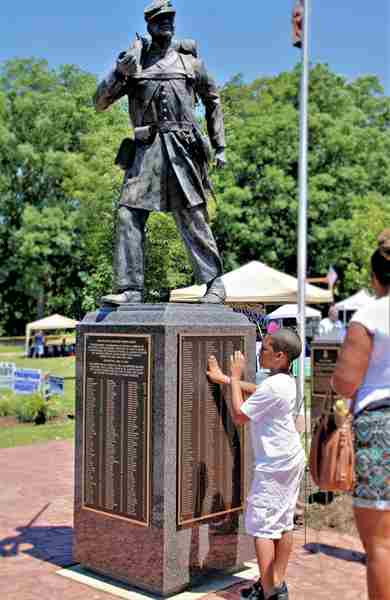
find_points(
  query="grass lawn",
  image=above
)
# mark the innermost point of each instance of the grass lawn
(27, 434)
(61, 366)
(10, 350)
(24, 435)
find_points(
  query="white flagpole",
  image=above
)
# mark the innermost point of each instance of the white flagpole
(302, 212)
(302, 230)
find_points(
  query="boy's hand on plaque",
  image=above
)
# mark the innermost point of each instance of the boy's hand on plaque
(214, 372)
(237, 364)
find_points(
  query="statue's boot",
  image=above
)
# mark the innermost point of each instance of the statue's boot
(125, 297)
(216, 292)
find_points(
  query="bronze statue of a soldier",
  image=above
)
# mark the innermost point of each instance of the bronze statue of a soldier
(166, 165)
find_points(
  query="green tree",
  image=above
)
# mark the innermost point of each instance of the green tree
(369, 219)
(166, 262)
(49, 257)
(59, 186)
(349, 163)
(45, 117)
(58, 192)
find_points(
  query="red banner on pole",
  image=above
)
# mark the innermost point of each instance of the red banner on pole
(297, 23)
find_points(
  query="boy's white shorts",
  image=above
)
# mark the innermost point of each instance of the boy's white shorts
(271, 502)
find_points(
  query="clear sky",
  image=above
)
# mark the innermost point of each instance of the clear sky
(251, 37)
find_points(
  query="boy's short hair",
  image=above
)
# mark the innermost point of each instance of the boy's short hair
(287, 341)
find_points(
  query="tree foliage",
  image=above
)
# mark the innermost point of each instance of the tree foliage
(59, 186)
(349, 172)
(46, 120)
(58, 192)
(369, 219)
(49, 257)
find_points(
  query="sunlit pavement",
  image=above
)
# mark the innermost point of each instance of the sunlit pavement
(36, 512)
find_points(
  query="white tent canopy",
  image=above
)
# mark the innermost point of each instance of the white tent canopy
(49, 323)
(290, 311)
(358, 300)
(257, 283)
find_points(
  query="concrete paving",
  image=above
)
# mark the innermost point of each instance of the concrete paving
(36, 512)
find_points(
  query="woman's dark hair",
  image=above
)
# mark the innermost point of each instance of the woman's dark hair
(287, 341)
(380, 260)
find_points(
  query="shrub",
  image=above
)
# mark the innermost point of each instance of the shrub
(7, 404)
(34, 408)
(54, 408)
(29, 408)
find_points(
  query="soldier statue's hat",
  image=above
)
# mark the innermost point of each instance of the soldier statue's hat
(157, 8)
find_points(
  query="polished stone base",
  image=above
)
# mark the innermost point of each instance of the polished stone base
(167, 554)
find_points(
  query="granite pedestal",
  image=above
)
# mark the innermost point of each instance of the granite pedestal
(161, 470)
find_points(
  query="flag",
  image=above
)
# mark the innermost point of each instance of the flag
(297, 24)
(332, 277)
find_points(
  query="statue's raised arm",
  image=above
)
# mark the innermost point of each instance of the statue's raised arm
(114, 85)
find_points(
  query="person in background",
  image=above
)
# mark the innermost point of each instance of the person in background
(63, 347)
(39, 344)
(332, 324)
(279, 456)
(363, 374)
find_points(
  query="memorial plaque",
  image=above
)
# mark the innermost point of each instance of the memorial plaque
(323, 360)
(211, 447)
(116, 398)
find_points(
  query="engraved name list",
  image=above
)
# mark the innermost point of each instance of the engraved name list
(116, 425)
(211, 447)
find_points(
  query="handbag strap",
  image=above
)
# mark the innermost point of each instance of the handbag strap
(352, 401)
(328, 404)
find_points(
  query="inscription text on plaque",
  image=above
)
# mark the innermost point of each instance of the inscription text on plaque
(211, 447)
(116, 398)
(324, 362)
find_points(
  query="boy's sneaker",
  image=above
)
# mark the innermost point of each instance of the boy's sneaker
(253, 592)
(281, 594)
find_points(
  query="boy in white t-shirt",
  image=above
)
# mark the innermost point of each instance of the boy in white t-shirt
(279, 458)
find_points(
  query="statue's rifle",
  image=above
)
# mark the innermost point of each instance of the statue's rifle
(136, 49)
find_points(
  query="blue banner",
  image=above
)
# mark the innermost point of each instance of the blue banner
(27, 381)
(33, 374)
(55, 386)
(25, 386)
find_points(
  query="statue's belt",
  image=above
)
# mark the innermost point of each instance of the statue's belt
(143, 134)
(158, 76)
(147, 134)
